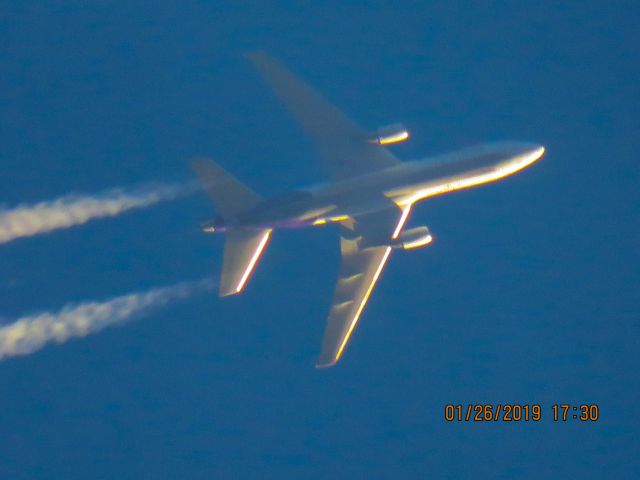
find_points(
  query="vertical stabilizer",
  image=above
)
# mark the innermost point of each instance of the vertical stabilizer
(229, 196)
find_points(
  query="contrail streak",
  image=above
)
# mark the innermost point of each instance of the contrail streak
(31, 333)
(70, 210)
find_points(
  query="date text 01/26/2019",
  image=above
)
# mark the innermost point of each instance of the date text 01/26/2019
(517, 412)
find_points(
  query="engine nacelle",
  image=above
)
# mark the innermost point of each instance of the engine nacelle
(390, 134)
(413, 238)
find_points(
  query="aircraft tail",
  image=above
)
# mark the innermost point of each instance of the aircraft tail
(229, 195)
(243, 247)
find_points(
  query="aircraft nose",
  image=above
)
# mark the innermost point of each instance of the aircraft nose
(535, 151)
(529, 150)
(524, 148)
(527, 154)
(519, 149)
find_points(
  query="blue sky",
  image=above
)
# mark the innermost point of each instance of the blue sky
(529, 294)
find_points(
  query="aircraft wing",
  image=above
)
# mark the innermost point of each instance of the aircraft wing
(343, 146)
(364, 246)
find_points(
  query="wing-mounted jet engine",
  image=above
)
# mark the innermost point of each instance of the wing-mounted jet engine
(413, 238)
(389, 134)
(407, 240)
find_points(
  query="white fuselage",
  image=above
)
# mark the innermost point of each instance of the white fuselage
(403, 185)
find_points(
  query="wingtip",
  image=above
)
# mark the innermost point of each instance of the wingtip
(325, 363)
(228, 293)
(255, 55)
(324, 366)
(199, 163)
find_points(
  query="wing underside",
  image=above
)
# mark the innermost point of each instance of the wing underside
(358, 275)
(365, 249)
(344, 148)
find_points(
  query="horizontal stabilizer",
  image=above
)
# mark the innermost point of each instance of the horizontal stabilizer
(242, 250)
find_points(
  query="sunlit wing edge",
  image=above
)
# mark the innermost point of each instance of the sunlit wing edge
(253, 262)
(359, 311)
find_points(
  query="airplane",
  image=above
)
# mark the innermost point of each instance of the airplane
(370, 196)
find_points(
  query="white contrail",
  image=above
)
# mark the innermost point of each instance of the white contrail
(70, 210)
(30, 333)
